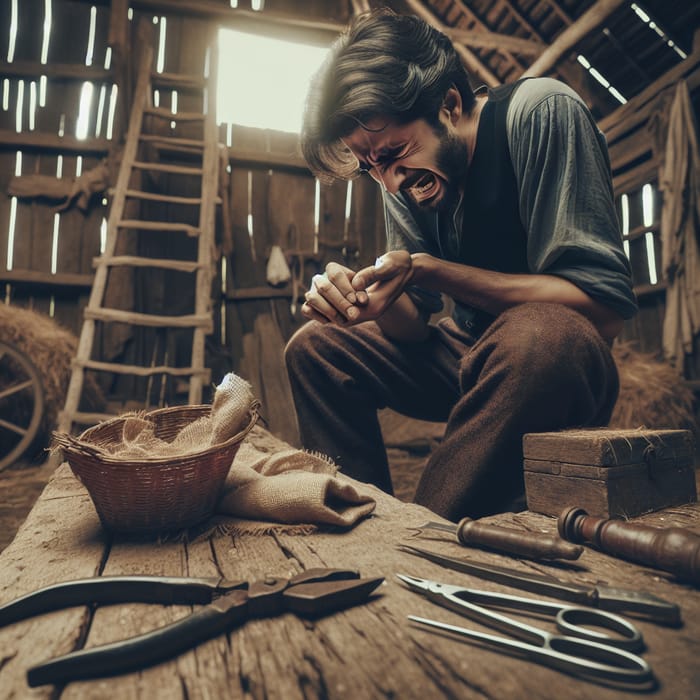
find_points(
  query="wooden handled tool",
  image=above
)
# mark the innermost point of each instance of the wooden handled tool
(474, 533)
(672, 549)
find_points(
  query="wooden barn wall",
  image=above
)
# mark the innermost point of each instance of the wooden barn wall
(636, 135)
(273, 206)
(253, 319)
(266, 205)
(78, 233)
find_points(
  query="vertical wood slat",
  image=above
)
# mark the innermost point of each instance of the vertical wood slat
(42, 222)
(22, 248)
(207, 223)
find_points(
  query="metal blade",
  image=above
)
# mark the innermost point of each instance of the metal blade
(534, 583)
(622, 600)
(443, 527)
(641, 603)
(323, 597)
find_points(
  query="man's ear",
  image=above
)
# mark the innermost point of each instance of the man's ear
(452, 104)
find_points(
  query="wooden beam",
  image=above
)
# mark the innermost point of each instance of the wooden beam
(118, 33)
(571, 74)
(267, 159)
(118, 40)
(471, 61)
(634, 178)
(269, 23)
(46, 279)
(61, 71)
(52, 142)
(637, 109)
(628, 150)
(485, 39)
(360, 6)
(565, 42)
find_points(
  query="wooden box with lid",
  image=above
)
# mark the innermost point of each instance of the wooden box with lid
(610, 473)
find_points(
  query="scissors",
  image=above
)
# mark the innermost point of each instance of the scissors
(579, 650)
(311, 593)
(614, 599)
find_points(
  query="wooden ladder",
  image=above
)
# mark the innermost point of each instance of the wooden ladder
(138, 145)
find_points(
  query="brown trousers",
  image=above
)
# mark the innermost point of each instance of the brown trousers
(537, 368)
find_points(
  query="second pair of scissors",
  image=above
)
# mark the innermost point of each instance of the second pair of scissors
(579, 650)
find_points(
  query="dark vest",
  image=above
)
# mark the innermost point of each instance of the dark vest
(493, 236)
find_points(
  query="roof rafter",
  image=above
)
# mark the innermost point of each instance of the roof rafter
(588, 22)
(473, 64)
(467, 12)
(486, 39)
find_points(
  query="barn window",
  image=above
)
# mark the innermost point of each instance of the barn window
(639, 212)
(250, 91)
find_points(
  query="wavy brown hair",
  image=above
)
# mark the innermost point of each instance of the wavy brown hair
(383, 65)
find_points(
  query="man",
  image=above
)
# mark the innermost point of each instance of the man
(501, 201)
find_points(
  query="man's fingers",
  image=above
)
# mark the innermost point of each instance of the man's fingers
(309, 312)
(329, 301)
(340, 276)
(363, 279)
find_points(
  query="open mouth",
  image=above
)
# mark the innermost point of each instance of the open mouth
(423, 189)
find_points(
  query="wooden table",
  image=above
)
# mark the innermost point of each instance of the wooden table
(370, 651)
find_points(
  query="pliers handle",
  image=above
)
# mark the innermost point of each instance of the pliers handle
(311, 593)
(102, 590)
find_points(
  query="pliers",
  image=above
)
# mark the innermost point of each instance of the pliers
(311, 593)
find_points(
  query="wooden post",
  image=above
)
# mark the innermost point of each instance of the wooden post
(118, 40)
(566, 41)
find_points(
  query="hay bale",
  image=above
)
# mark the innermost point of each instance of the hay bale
(51, 348)
(652, 394)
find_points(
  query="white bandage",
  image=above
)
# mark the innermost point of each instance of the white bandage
(316, 278)
(379, 261)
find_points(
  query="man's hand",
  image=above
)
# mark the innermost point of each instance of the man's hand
(332, 298)
(345, 297)
(384, 281)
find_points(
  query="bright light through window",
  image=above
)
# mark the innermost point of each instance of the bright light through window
(262, 82)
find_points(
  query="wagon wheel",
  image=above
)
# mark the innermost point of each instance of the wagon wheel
(21, 404)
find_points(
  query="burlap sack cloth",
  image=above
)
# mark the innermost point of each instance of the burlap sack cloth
(267, 488)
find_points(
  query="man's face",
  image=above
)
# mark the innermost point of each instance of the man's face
(426, 163)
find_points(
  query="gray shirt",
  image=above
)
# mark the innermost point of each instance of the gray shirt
(566, 202)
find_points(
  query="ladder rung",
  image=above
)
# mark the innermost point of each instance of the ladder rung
(155, 197)
(133, 261)
(141, 371)
(167, 168)
(175, 116)
(175, 80)
(173, 141)
(167, 152)
(151, 320)
(158, 226)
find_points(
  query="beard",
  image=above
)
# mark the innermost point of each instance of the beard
(452, 159)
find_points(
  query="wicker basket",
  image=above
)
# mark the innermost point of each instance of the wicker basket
(154, 495)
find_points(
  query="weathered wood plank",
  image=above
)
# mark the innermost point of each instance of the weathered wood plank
(370, 651)
(48, 548)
